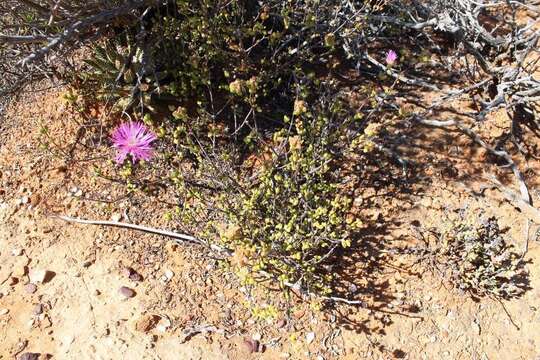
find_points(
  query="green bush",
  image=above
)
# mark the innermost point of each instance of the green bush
(297, 215)
(287, 212)
(247, 57)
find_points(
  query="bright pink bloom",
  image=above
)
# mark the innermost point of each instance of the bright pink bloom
(133, 139)
(391, 57)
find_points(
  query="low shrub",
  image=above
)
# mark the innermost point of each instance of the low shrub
(478, 259)
(287, 211)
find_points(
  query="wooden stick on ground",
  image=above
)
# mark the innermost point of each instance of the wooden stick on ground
(525, 196)
(179, 237)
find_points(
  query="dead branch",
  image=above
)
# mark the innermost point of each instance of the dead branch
(179, 237)
(527, 209)
(75, 29)
(28, 39)
(525, 196)
(182, 238)
(397, 76)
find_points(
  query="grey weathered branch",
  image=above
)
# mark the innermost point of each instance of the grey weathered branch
(75, 29)
(191, 239)
(23, 39)
(527, 209)
(525, 196)
(179, 237)
(393, 73)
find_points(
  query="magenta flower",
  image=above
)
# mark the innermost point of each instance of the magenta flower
(391, 57)
(133, 139)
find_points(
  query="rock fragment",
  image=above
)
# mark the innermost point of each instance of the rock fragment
(163, 324)
(29, 356)
(17, 252)
(310, 337)
(38, 309)
(127, 292)
(38, 276)
(167, 275)
(251, 345)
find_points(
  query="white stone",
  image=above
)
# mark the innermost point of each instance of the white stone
(163, 324)
(168, 275)
(37, 276)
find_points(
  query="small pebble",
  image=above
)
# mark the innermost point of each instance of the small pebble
(281, 323)
(37, 276)
(168, 275)
(35, 199)
(30, 288)
(135, 276)
(29, 356)
(147, 323)
(310, 337)
(38, 309)
(20, 269)
(251, 345)
(127, 271)
(4, 311)
(476, 327)
(17, 252)
(131, 274)
(163, 324)
(127, 292)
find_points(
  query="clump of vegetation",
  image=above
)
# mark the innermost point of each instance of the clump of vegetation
(475, 253)
(286, 212)
(297, 214)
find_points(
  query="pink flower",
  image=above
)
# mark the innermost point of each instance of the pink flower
(391, 57)
(133, 139)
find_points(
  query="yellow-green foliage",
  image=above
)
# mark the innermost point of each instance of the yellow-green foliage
(296, 216)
